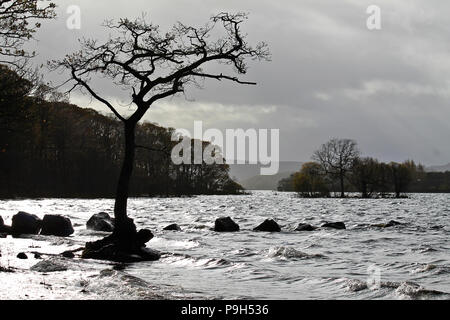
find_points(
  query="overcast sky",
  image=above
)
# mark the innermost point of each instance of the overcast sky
(329, 76)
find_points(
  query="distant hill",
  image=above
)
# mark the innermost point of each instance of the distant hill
(241, 172)
(264, 182)
(249, 175)
(443, 168)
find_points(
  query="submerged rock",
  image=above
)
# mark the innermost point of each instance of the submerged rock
(113, 252)
(392, 223)
(25, 223)
(225, 224)
(305, 227)
(55, 225)
(172, 227)
(101, 222)
(334, 225)
(68, 254)
(48, 266)
(269, 225)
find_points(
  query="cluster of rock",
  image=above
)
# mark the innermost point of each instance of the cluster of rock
(226, 224)
(112, 247)
(24, 223)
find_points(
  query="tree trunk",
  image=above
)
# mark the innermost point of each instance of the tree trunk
(342, 185)
(124, 227)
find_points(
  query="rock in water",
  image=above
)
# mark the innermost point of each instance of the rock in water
(124, 245)
(55, 225)
(22, 256)
(392, 223)
(225, 225)
(268, 225)
(48, 266)
(334, 225)
(101, 222)
(68, 254)
(172, 227)
(25, 223)
(144, 236)
(4, 230)
(305, 227)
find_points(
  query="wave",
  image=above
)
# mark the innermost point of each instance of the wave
(415, 291)
(401, 290)
(184, 260)
(434, 269)
(290, 253)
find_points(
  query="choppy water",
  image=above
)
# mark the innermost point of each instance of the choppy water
(412, 260)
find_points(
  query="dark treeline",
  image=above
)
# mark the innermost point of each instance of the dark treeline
(50, 148)
(339, 168)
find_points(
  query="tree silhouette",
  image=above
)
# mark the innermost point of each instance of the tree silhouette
(151, 66)
(337, 157)
(19, 20)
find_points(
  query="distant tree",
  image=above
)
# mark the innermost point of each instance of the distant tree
(151, 66)
(311, 181)
(366, 176)
(286, 184)
(19, 20)
(401, 175)
(337, 157)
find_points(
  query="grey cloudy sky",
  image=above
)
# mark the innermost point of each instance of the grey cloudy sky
(329, 76)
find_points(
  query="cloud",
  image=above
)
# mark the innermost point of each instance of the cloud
(329, 75)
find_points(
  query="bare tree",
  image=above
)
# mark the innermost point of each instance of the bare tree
(401, 175)
(337, 157)
(151, 66)
(19, 20)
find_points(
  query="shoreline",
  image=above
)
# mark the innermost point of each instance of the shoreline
(53, 277)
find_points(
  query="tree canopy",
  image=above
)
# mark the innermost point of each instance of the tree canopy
(19, 21)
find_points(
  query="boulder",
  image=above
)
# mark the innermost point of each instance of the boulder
(172, 227)
(5, 230)
(101, 222)
(22, 256)
(113, 252)
(68, 254)
(268, 225)
(1, 222)
(55, 225)
(225, 225)
(334, 225)
(48, 266)
(144, 236)
(124, 245)
(25, 223)
(305, 227)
